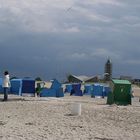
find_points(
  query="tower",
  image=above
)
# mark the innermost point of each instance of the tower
(108, 70)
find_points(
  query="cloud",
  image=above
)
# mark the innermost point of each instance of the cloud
(133, 62)
(107, 2)
(104, 53)
(73, 29)
(77, 56)
(49, 15)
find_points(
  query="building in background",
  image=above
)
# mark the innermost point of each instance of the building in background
(108, 70)
(136, 82)
(82, 79)
(129, 78)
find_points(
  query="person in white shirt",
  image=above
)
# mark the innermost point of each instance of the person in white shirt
(6, 85)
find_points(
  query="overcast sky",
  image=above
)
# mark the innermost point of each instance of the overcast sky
(52, 38)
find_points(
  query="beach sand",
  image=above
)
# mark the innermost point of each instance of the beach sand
(34, 118)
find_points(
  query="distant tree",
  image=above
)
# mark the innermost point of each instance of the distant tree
(68, 77)
(38, 79)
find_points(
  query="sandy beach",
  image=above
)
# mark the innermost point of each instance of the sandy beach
(34, 118)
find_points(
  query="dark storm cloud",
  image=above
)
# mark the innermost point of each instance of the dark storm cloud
(43, 38)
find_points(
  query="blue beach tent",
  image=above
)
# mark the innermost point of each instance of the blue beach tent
(76, 87)
(59, 92)
(55, 84)
(23, 86)
(1, 89)
(16, 87)
(88, 89)
(28, 86)
(76, 90)
(97, 90)
(68, 88)
(54, 91)
(106, 91)
(58, 87)
(45, 92)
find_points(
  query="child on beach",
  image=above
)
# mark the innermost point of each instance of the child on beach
(38, 89)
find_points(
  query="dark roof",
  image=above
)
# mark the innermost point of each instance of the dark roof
(108, 61)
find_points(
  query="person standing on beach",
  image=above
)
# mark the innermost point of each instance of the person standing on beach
(6, 85)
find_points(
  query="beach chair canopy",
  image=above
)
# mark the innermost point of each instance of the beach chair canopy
(88, 89)
(28, 86)
(120, 92)
(1, 89)
(16, 86)
(68, 88)
(76, 90)
(97, 90)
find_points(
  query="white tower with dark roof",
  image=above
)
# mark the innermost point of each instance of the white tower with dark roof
(108, 70)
